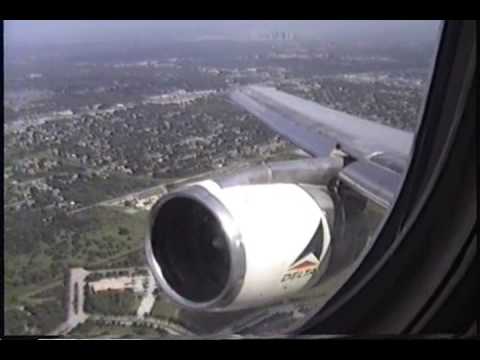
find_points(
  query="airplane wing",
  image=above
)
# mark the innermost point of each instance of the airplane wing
(381, 152)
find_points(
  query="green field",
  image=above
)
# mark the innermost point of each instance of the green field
(116, 303)
(38, 318)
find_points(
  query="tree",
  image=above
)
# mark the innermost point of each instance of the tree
(123, 231)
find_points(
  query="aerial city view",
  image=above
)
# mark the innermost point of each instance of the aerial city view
(95, 133)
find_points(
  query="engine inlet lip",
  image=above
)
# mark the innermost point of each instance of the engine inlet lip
(234, 241)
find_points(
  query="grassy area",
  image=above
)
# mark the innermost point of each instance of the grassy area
(135, 258)
(35, 318)
(56, 291)
(116, 303)
(17, 322)
(92, 329)
(17, 296)
(164, 310)
(115, 233)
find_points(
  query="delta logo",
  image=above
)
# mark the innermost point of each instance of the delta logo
(303, 267)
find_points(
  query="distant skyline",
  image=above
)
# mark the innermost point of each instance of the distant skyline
(61, 32)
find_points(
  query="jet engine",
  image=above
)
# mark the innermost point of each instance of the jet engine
(246, 239)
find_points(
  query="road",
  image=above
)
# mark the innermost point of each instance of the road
(148, 299)
(77, 278)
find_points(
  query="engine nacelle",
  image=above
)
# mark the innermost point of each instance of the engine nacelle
(214, 247)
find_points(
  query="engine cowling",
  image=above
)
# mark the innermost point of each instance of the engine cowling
(214, 247)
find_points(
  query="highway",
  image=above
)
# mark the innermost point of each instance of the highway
(160, 189)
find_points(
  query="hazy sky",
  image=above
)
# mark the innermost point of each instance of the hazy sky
(89, 31)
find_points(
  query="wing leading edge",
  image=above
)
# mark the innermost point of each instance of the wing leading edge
(381, 152)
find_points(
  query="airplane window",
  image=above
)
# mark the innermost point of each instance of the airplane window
(199, 178)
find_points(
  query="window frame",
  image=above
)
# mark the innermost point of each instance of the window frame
(442, 145)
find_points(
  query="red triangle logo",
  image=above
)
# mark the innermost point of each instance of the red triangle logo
(303, 265)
